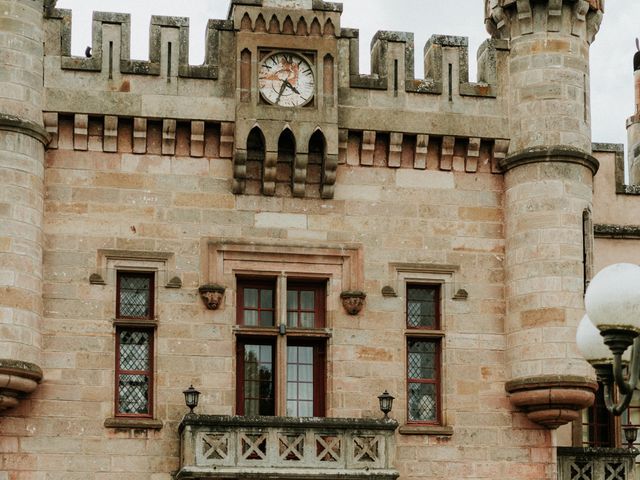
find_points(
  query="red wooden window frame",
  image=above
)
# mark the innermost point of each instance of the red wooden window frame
(240, 349)
(319, 302)
(260, 285)
(151, 309)
(267, 335)
(599, 423)
(422, 334)
(148, 373)
(319, 371)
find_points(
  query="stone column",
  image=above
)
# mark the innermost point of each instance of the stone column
(548, 185)
(22, 146)
(633, 128)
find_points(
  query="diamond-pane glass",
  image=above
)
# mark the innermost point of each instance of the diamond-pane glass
(134, 350)
(134, 394)
(422, 307)
(422, 402)
(133, 371)
(135, 296)
(422, 360)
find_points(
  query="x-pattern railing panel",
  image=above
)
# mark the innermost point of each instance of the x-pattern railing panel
(596, 464)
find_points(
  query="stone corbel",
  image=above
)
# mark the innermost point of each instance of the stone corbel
(554, 17)
(330, 168)
(139, 135)
(473, 155)
(270, 174)
(525, 16)
(447, 151)
(239, 172)
(300, 165)
(368, 147)
(353, 301)
(580, 10)
(212, 295)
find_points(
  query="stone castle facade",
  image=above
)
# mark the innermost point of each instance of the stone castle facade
(293, 238)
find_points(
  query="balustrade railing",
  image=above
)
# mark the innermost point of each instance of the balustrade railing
(596, 464)
(293, 448)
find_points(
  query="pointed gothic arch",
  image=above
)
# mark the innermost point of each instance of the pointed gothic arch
(315, 167)
(286, 159)
(256, 152)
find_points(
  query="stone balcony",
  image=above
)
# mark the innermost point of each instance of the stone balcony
(596, 464)
(286, 448)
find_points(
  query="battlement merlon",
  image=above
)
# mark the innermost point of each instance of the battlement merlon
(507, 19)
(434, 81)
(318, 5)
(96, 63)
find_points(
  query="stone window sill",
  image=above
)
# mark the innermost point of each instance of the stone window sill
(438, 430)
(138, 423)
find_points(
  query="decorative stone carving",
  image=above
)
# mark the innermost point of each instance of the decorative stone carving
(212, 295)
(96, 279)
(353, 301)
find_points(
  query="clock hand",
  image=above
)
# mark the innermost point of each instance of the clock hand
(282, 87)
(294, 89)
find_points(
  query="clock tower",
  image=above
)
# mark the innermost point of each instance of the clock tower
(286, 135)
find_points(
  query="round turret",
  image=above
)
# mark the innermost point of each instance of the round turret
(22, 145)
(548, 189)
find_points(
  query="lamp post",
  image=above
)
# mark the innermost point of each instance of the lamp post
(191, 397)
(386, 403)
(608, 335)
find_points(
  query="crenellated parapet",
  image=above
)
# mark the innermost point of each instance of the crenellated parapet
(507, 19)
(103, 54)
(438, 78)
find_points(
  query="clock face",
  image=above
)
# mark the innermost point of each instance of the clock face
(286, 79)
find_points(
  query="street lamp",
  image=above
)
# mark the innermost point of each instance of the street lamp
(610, 328)
(191, 397)
(386, 403)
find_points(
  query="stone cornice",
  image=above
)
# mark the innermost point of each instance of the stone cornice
(624, 232)
(555, 154)
(223, 421)
(507, 19)
(11, 123)
(20, 369)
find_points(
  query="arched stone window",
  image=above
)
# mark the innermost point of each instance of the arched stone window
(286, 157)
(255, 160)
(317, 149)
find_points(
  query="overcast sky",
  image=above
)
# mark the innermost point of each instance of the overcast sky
(611, 54)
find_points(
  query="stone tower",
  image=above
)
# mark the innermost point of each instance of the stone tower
(22, 146)
(548, 193)
(633, 127)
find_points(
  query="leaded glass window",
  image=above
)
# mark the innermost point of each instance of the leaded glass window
(424, 341)
(422, 377)
(422, 306)
(135, 295)
(134, 379)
